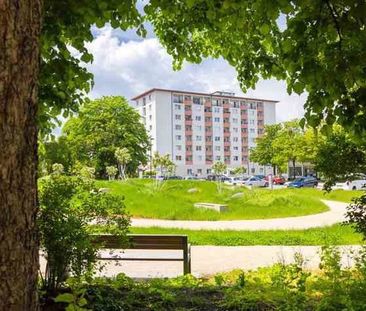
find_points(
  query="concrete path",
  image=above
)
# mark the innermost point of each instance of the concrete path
(208, 260)
(334, 215)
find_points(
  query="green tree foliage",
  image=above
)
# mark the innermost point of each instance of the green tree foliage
(219, 168)
(67, 206)
(67, 28)
(123, 158)
(264, 153)
(339, 156)
(102, 126)
(55, 151)
(163, 164)
(316, 46)
(111, 172)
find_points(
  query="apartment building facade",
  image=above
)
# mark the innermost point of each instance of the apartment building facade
(198, 129)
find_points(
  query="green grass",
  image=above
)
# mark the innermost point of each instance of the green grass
(333, 235)
(173, 201)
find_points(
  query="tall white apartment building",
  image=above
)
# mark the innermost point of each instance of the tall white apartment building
(198, 129)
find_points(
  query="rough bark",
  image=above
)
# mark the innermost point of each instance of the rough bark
(20, 26)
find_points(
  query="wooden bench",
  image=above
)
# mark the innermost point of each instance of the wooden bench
(149, 242)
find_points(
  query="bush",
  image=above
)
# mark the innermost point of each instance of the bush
(67, 207)
(280, 287)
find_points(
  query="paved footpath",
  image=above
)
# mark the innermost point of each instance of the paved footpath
(208, 260)
(334, 215)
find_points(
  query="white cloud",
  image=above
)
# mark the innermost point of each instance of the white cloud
(129, 67)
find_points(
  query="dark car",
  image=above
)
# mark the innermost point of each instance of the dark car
(302, 182)
(173, 177)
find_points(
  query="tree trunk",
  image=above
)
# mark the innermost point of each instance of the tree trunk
(293, 168)
(20, 28)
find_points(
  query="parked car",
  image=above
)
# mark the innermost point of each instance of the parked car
(277, 180)
(234, 181)
(358, 184)
(256, 182)
(260, 176)
(302, 182)
(191, 178)
(174, 177)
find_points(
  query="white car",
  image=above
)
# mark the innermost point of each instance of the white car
(234, 181)
(256, 182)
(358, 184)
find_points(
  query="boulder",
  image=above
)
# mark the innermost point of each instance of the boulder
(192, 190)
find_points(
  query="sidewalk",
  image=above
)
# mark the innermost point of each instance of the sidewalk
(208, 260)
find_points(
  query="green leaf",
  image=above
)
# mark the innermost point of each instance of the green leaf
(67, 297)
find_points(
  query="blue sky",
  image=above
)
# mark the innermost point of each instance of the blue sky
(125, 64)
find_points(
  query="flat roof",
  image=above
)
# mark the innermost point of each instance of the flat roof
(197, 93)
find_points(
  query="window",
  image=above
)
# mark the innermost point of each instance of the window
(217, 109)
(178, 147)
(252, 170)
(188, 148)
(197, 100)
(235, 130)
(144, 101)
(198, 138)
(208, 119)
(189, 171)
(217, 119)
(149, 107)
(188, 128)
(150, 117)
(178, 158)
(208, 171)
(253, 106)
(235, 139)
(198, 148)
(252, 131)
(236, 148)
(226, 139)
(178, 127)
(209, 148)
(217, 138)
(198, 128)
(208, 138)
(252, 113)
(234, 111)
(217, 148)
(198, 118)
(188, 107)
(189, 138)
(187, 97)
(251, 122)
(208, 109)
(188, 117)
(208, 128)
(199, 158)
(235, 120)
(149, 97)
(216, 102)
(150, 127)
(245, 121)
(235, 158)
(177, 107)
(199, 171)
(178, 117)
(178, 137)
(217, 158)
(177, 98)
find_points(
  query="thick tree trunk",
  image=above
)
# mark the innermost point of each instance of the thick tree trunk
(20, 27)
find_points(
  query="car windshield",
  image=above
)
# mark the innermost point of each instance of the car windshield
(299, 180)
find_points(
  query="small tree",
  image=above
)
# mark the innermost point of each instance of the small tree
(123, 157)
(111, 171)
(219, 168)
(163, 164)
(238, 170)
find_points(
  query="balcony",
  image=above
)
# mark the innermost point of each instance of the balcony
(226, 144)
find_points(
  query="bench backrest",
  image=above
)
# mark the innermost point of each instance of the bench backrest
(145, 241)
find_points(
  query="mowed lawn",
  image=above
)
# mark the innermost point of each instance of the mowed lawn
(333, 235)
(174, 200)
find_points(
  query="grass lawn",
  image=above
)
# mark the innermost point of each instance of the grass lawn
(174, 201)
(333, 235)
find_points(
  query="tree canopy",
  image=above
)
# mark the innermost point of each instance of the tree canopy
(67, 26)
(318, 47)
(102, 126)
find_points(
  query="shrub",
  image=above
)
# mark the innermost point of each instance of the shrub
(67, 206)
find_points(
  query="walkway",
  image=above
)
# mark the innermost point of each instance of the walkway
(208, 260)
(334, 215)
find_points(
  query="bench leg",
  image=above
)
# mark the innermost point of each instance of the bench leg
(187, 260)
